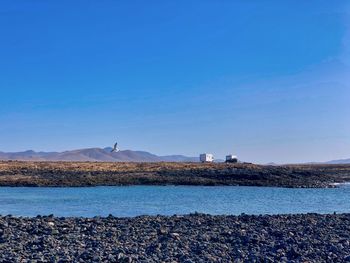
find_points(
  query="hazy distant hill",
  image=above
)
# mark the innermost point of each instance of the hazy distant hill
(95, 154)
(342, 161)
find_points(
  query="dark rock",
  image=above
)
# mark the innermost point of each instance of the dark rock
(192, 238)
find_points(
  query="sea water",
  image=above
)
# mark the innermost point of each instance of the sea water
(125, 201)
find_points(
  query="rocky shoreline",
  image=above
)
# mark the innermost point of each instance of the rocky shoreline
(190, 238)
(57, 174)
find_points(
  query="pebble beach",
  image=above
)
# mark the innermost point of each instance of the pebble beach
(189, 238)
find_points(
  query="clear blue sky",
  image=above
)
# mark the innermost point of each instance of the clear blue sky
(266, 80)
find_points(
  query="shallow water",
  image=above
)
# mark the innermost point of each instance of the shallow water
(169, 200)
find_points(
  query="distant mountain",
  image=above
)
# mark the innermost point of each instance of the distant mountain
(341, 161)
(272, 163)
(179, 158)
(95, 155)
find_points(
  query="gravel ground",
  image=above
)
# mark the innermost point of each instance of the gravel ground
(190, 238)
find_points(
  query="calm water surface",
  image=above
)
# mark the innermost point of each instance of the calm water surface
(169, 200)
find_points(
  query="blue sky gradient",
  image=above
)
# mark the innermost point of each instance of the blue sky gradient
(266, 80)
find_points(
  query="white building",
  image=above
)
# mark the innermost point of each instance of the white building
(206, 158)
(231, 158)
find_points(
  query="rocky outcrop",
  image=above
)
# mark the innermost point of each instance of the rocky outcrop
(93, 174)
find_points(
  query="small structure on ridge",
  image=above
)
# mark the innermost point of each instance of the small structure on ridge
(231, 158)
(206, 158)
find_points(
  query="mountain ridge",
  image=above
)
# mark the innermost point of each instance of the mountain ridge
(340, 161)
(105, 155)
(94, 155)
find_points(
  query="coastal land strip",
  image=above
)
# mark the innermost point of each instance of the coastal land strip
(79, 174)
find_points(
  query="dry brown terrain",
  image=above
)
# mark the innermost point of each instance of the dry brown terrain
(15, 173)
